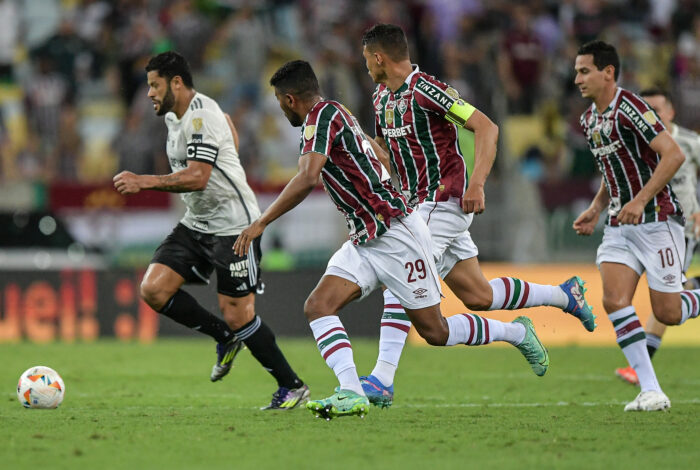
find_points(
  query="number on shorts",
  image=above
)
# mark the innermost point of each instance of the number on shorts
(418, 268)
(669, 257)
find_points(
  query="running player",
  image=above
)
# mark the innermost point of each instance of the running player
(208, 173)
(389, 243)
(644, 230)
(684, 184)
(416, 123)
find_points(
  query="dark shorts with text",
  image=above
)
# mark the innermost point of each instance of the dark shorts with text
(194, 256)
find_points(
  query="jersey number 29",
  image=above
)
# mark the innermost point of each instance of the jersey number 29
(416, 268)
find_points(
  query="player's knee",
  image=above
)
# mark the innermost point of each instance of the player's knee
(668, 316)
(613, 303)
(152, 294)
(237, 314)
(317, 307)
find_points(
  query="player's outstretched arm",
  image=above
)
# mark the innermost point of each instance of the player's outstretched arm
(671, 160)
(306, 179)
(485, 146)
(585, 223)
(193, 178)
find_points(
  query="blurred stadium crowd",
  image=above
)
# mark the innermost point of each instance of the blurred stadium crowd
(73, 103)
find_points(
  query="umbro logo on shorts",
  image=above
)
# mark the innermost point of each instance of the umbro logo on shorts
(420, 293)
(669, 278)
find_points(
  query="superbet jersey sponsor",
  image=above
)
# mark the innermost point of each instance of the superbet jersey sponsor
(417, 122)
(352, 173)
(619, 139)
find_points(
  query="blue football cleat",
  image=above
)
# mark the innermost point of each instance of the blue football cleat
(376, 392)
(578, 306)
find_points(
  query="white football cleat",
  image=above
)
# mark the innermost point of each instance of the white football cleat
(649, 401)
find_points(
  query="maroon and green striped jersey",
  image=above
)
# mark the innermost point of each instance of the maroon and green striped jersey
(423, 144)
(352, 175)
(619, 139)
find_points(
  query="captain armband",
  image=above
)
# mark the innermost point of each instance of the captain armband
(460, 112)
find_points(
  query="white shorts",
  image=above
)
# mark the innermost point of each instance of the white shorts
(400, 259)
(657, 247)
(449, 229)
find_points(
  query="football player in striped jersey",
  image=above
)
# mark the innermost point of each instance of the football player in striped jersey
(389, 244)
(644, 226)
(684, 184)
(416, 122)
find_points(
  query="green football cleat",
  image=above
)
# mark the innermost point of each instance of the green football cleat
(531, 347)
(341, 403)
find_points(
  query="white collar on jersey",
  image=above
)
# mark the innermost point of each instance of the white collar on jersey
(673, 130)
(416, 69)
(171, 117)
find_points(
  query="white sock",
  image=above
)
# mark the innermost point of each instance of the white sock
(690, 304)
(474, 330)
(632, 341)
(510, 293)
(392, 337)
(336, 350)
(384, 372)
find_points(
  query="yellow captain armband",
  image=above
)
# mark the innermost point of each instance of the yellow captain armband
(460, 112)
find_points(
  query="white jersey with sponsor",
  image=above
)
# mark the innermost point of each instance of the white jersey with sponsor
(685, 181)
(227, 205)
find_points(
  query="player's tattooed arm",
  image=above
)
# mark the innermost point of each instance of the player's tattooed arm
(193, 178)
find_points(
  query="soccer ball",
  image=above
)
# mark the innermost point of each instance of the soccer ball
(40, 387)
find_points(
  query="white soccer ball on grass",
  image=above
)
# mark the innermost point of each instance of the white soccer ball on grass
(40, 387)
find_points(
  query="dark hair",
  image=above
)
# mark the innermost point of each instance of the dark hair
(388, 38)
(603, 54)
(296, 78)
(655, 91)
(170, 64)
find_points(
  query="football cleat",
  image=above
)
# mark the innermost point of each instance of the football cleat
(531, 347)
(628, 374)
(286, 399)
(578, 307)
(649, 401)
(376, 392)
(225, 354)
(341, 403)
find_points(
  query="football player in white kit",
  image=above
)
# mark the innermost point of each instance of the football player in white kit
(207, 172)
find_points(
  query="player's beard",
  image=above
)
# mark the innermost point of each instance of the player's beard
(294, 119)
(379, 77)
(168, 102)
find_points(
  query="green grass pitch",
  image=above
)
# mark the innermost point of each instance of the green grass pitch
(134, 406)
